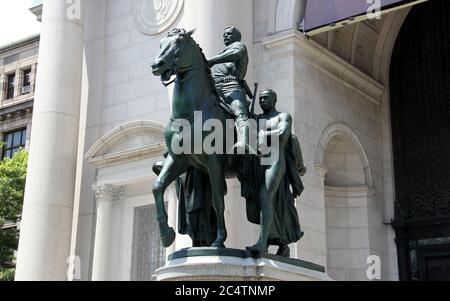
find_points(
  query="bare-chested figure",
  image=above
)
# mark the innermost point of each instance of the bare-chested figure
(278, 215)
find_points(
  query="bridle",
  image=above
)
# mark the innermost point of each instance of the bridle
(174, 71)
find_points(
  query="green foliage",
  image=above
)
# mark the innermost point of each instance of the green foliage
(12, 183)
(7, 275)
(8, 244)
(12, 186)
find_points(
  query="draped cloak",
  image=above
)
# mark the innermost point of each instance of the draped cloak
(286, 226)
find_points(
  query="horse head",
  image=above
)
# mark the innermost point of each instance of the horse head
(176, 55)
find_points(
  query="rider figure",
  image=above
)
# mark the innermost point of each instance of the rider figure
(228, 70)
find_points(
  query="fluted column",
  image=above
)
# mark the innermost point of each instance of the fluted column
(49, 195)
(105, 196)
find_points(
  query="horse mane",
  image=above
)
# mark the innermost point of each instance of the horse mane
(190, 39)
(208, 69)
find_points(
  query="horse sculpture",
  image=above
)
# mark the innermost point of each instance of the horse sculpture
(194, 91)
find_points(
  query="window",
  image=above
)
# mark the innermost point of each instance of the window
(13, 141)
(26, 84)
(10, 80)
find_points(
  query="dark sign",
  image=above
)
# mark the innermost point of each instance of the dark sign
(321, 13)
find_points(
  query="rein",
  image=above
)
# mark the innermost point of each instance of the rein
(177, 73)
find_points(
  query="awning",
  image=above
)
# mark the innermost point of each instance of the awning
(325, 15)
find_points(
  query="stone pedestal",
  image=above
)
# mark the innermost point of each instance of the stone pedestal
(211, 264)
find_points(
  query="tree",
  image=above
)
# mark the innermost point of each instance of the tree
(12, 187)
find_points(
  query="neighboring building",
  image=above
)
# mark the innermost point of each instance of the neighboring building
(369, 101)
(18, 65)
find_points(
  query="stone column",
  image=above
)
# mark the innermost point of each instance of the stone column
(105, 196)
(210, 17)
(49, 195)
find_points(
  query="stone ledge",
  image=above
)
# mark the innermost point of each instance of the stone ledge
(212, 264)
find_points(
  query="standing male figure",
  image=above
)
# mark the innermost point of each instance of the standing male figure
(228, 70)
(272, 202)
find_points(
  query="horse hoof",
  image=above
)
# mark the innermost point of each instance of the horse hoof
(168, 238)
(219, 245)
(257, 249)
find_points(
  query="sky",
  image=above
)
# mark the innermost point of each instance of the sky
(16, 21)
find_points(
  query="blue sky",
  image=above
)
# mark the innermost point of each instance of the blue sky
(16, 21)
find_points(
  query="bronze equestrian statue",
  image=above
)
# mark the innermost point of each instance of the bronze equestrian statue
(194, 91)
(201, 176)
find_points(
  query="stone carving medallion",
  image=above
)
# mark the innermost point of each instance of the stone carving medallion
(155, 16)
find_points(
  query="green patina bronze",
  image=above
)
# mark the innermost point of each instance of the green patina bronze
(270, 190)
(194, 91)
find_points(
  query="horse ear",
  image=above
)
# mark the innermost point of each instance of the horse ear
(190, 33)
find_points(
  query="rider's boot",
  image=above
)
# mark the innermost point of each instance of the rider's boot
(243, 136)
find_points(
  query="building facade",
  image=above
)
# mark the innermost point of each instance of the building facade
(18, 65)
(369, 102)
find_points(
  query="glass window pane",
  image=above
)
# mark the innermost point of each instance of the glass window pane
(24, 138)
(11, 79)
(17, 138)
(10, 86)
(26, 77)
(8, 154)
(14, 150)
(8, 140)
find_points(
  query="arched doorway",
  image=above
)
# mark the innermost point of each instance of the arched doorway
(346, 200)
(420, 112)
(353, 223)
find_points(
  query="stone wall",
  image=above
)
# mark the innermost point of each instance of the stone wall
(322, 91)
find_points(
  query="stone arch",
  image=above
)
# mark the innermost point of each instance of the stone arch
(381, 72)
(385, 44)
(349, 202)
(343, 132)
(131, 141)
(285, 14)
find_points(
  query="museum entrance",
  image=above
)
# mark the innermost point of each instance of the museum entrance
(420, 114)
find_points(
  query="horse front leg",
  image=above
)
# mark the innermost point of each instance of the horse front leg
(217, 178)
(171, 170)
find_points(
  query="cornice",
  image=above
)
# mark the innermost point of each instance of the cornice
(330, 64)
(104, 152)
(130, 155)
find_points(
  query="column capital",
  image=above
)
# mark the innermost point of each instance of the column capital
(321, 171)
(108, 192)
